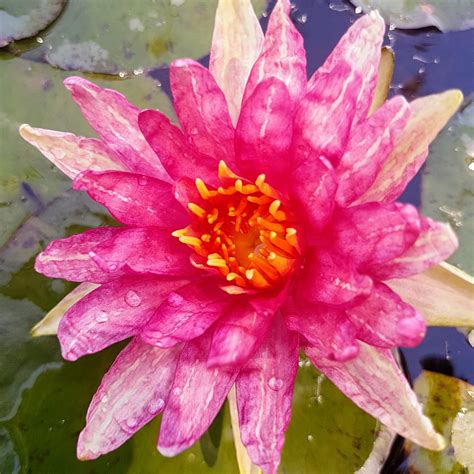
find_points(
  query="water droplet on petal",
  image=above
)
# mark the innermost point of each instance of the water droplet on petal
(143, 180)
(193, 131)
(176, 391)
(275, 384)
(102, 317)
(105, 398)
(174, 299)
(132, 299)
(113, 267)
(132, 423)
(155, 406)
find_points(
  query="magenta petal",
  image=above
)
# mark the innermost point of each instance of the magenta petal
(202, 110)
(264, 395)
(263, 132)
(111, 313)
(132, 392)
(196, 397)
(374, 233)
(283, 56)
(187, 313)
(143, 250)
(370, 144)
(69, 258)
(374, 382)
(384, 320)
(176, 154)
(330, 279)
(313, 188)
(324, 327)
(237, 335)
(116, 121)
(436, 243)
(133, 199)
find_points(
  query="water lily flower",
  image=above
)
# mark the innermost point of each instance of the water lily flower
(265, 224)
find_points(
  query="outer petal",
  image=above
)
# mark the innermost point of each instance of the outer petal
(143, 250)
(443, 294)
(133, 199)
(372, 234)
(111, 313)
(202, 110)
(70, 153)
(384, 320)
(187, 313)
(263, 132)
(116, 121)
(369, 146)
(264, 396)
(330, 279)
(48, 326)
(374, 382)
(132, 393)
(176, 154)
(69, 258)
(429, 115)
(436, 243)
(236, 44)
(197, 395)
(283, 55)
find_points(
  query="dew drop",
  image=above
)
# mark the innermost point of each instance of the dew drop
(143, 180)
(470, 165)
(310, 438)
(358, 10)
(132, 299)
(112, 267)
(174, 299)
(176, 391)
(105, 398)
(39, 40)
(101, 317)
(155, 406)
(275, 384)
(193, 131)
(132, 422)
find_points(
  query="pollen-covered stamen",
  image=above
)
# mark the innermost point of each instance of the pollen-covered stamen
(242, 230)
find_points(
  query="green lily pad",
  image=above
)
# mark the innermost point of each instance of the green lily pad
(446, 15)
(448, 182)
(131, 37)
(23, 19)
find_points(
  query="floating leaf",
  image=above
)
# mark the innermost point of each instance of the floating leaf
(446, 15)
(25, 18)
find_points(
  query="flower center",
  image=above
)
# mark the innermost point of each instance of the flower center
(243, 231)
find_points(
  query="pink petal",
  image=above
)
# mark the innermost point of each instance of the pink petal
(202, 110)
(130, 395)
(330, 279)
(373, 233)
(369, 146)
(143, 250)
(313, 187)
(436, 243)
(176, 154)
(264, 395)
(133, 199)
(111, 313)
(185, 191)
(263, 132)
(116, 121)
(283, 55)
(429, 115)
(324, 327)
(196, 397)
(237, 335)
(70, 153)
(187, 313)
(69, 258)
(236, 44)
(384, 320)
(374, 382)
(360, 49)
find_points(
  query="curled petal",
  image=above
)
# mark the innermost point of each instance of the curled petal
(111, 418)
(186, 314)
(283, 55)
(263, 132)
(264, 395)
(429, 115)
(236, 44)
(374, 382)
(176, 154)
(70, 153)
(70, 259)
(117, 124)
(133, 199)
(196, 397)
(111, 313)
(385, 320)
(436, 243)
(202, 110)
(384, 79)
